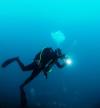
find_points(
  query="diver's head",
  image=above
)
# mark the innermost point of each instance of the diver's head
(59, 53)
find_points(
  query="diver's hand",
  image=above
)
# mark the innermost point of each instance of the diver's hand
(62, 56)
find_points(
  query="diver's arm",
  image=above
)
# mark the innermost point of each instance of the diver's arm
(61, 56)
(60, 65)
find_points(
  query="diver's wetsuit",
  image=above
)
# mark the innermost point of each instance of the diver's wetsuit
(43, 61)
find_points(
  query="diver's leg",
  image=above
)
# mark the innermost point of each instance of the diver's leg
(28, 80)
(23, 67)
(23, 99)
(22, 92)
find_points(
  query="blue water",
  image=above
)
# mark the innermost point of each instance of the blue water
(26, 27)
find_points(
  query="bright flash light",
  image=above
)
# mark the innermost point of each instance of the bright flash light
(68, 61)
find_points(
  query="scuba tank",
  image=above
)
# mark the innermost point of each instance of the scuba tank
(42, 58)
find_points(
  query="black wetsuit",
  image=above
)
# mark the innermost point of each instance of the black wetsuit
(43, 61)
(47, 57)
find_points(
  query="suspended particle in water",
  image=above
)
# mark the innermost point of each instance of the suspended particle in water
(38, 104)
(32, 91)
(54, 103)
(64, 89)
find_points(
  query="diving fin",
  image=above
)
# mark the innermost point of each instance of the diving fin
(7, 62)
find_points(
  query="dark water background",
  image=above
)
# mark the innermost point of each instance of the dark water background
(25, 28)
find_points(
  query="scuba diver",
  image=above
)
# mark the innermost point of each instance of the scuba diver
(42, 62)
